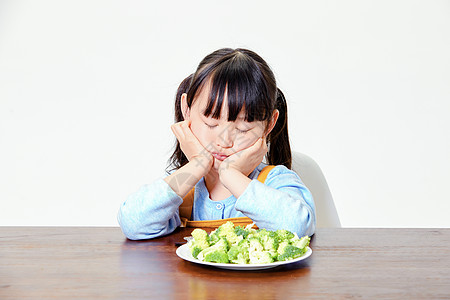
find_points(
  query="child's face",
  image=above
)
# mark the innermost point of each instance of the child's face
(221, 137)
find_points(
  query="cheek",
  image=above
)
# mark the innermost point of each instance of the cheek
(203, 134)
(246, 140)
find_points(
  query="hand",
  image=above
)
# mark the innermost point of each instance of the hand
(190, 145)
(246, 160)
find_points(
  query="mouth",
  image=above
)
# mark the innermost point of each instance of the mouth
(219, 156)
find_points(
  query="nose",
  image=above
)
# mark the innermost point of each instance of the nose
(226, 138)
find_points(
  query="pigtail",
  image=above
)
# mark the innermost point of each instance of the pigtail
(178, 159)
(279, 147)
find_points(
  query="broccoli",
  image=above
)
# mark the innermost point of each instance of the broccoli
(255, 244)
(269, 239)
(260, 257)
(216, 253)
(239, 254)
(200, 241)
(229, 244)
(284, 235)
(227, 230)
(214, 237)
(301, 243)
(239, 230)
(287, 251)
(218, 256)
(257, 254)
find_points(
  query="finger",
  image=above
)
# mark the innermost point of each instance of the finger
(187, 131)
(177, 130)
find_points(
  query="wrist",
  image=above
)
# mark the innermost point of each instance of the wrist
(234, 180)
(227, 172)
(203, 162)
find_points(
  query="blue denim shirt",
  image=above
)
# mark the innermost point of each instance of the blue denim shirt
(281, 202)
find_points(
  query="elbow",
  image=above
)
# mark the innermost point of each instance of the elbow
(136, 228)
(309, 227)
(303, 222)
(131, 225)
(128, 226)
(133, 231)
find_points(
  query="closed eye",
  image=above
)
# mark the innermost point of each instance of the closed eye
(210, 126)
(242, 131)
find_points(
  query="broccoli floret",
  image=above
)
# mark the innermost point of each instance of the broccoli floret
(200, 241)
(242, 258)
(260, 257)
(227, 230)
(301, 243)
(195, 250)
(214, 237)
(255, 244)
(201, 237)
(269, 240)
(238, 253)
(284, 235)
(218, 256)
(287, 251)
(215, 253)
(239, 230)
(257, 254)
(260, 233)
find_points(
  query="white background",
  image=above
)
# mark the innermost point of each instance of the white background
(87, 91)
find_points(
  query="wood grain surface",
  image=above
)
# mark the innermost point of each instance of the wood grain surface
(100, 263)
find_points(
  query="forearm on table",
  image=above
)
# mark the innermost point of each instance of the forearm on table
(150, 212)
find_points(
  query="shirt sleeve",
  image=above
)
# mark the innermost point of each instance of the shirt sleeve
(282, 202)
(150, 212)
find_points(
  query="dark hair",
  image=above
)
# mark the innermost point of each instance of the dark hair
(250, 84)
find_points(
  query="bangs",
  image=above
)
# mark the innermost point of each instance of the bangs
(246, 88)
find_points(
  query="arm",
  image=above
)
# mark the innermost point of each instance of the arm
(150, 212)
(184, 179)
(283, 202)
(234, 171)
(153, 210)
(200, 160)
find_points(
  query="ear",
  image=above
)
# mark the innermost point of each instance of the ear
(184, 107)
(273, 121)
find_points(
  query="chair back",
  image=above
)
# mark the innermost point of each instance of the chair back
(312, 176)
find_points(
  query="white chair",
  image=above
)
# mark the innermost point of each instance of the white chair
(312, 176)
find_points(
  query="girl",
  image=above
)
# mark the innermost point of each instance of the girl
(229, 116)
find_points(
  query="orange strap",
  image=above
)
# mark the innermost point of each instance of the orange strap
(188, 202)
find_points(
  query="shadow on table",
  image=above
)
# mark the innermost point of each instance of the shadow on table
(209, 283)
(152, 268)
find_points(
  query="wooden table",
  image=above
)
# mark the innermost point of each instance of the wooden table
(99, 263)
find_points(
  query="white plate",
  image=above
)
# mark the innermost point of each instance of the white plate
(185, 253)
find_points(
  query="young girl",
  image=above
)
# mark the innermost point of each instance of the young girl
(229, 116)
